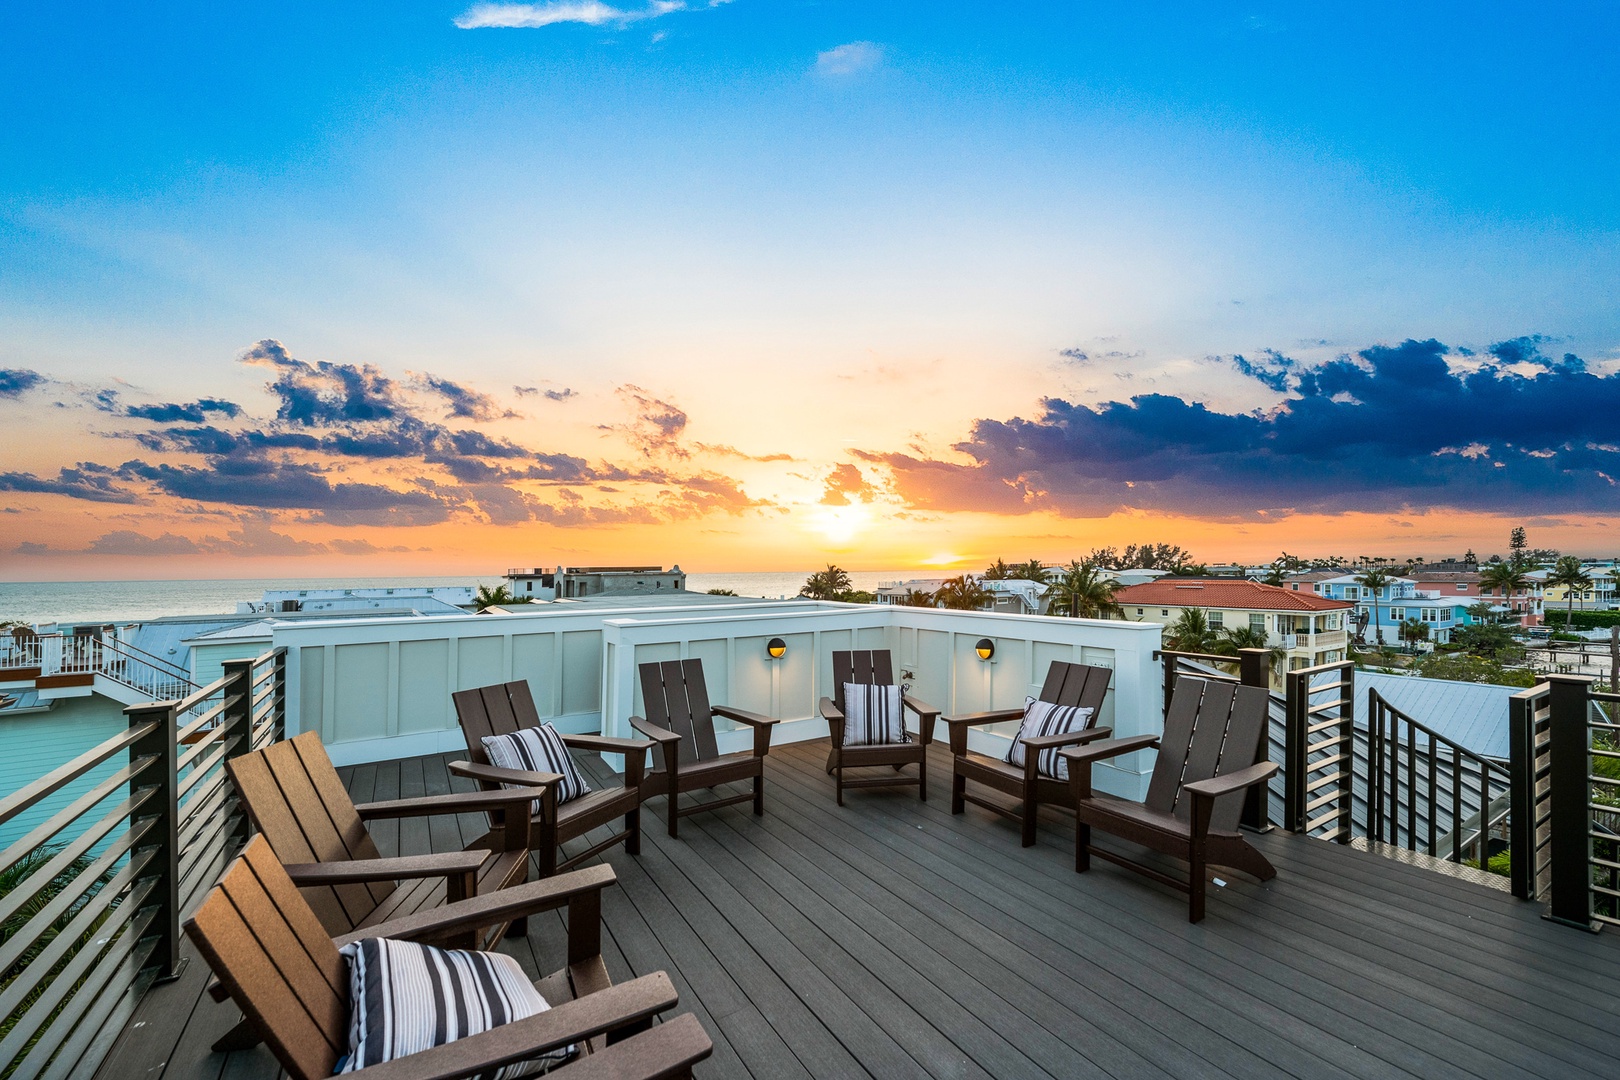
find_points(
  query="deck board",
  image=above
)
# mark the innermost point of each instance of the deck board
(892, 939)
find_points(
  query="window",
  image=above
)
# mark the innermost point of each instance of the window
(1257, 622)
(1430, 615)
(1352, 593)
(1139, 611)
(1462, 588)
(1164, 611)
(1217, 620)
(1397, 614)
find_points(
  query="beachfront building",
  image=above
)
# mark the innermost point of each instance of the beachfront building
(1310, 629)
(576, 582)
(1599, 596)
(1382, 617)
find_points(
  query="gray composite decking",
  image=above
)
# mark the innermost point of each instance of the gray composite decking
(890, 939)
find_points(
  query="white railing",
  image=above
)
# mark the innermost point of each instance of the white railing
(107, 657)
(380, 688)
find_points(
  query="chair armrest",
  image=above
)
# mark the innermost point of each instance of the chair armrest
(743, 716)
(918, 706)
(497, 775)
(829, 710)
(632, 1003)
(1099, 751)
(606, 744)
(1065, 738)
(995, 716)
(459, 802)
(359, 871)
(1215, 787)
(503, 905)
(670, 1049)
(661, 736)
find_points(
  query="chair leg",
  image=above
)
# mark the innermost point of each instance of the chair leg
(759, 795)
(922, 778)
(518, 928)
(674, 813)
(1197, 882)
(1082, 847)
(1031, 808)
(244, 1036)
(958, 791)
(632, 831)
(838, 777)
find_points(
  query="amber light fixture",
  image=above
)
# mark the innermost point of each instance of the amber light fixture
(776, 647)
(985, 648)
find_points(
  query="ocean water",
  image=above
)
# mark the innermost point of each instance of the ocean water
(121, 601)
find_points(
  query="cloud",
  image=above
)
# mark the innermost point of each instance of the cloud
(550, 395)
(658, 424)
(1271, 369)
(14, 382)
(324, 392)
(722, 450)
(87, 480)
(360, 546)
(851, 59)
(589, 12)
(845, 483)
(129, 542)
(32, 547)
(465, 403)
(194, 413)
(1391, 429)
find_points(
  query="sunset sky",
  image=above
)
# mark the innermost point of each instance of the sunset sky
(432, 288)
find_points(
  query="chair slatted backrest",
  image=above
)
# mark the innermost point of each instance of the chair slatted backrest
(276, 959)
(1084, 685)
(676, 698)
(298, 802)
(1213, 728)
(863, 667)
(497, 709)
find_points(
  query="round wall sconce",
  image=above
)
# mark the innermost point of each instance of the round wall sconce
(985, 648)
(776, 647)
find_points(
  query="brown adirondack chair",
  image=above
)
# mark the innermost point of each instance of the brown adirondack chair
(872, 667)
(501, 709)
(282, 969)
(1207, 762)
(296, 799)
(680, 722)
(1066, 684)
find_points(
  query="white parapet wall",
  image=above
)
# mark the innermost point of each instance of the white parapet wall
(380, 688)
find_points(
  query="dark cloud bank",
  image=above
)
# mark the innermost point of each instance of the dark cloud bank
(1389, 429)
(331, 415)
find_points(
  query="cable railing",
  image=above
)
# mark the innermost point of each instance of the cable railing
(94, 895)
(1319, 758)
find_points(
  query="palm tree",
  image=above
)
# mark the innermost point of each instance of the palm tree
(964, 594)
(499, 596)
(998, 571)
(1569, 573)
(916, 598)
(832, 583)
(1191, 633)
(1507, 576)
(1375, 579)
(1245, 637)
(1084, 593)
(1414, 631)
(1030, 570)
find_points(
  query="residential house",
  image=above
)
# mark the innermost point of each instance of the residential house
(1311, 629)
(1381, 617)
(1600, 596)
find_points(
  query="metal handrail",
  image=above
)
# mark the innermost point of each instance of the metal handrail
(128, 856)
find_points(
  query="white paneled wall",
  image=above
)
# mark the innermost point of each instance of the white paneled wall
(380, 688)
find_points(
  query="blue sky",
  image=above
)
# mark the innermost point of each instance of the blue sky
(780, 218)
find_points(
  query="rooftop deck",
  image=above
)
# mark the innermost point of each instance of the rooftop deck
(890, 939)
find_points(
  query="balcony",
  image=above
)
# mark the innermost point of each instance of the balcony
(891, 938)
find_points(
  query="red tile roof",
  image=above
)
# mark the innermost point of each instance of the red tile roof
(1242, 595)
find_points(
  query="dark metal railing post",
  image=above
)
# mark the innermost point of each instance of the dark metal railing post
(1254, 669)
(1296, 717)
(163, 840)
(1570, 899)
(237, 720)
(1347, 730)
(280, 706)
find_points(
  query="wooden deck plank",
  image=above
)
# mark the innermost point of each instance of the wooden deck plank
(891, 938)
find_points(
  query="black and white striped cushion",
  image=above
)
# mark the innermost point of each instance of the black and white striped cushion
(538, 749)
(872, 715)
(405, 998)
(1044, 718)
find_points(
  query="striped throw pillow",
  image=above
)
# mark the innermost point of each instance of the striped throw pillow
(538, 749)
(1044, 718)
(405, 998)
(872, 715)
